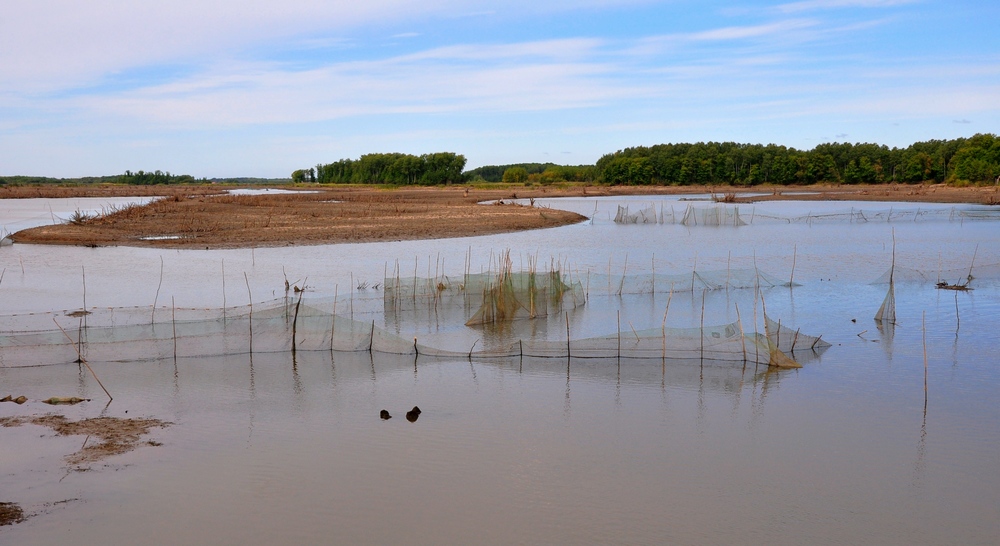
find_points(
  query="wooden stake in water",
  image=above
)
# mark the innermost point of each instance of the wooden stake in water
(250, 296)
(743, 339)
(663, 327)
(84, 270)
(621, 285)
(619, 334)
(83, 360)
(152, 315)
(568, 352)
(223, 291)
(791, 278)
(173, 323)
(295, 318)
(923, 328)
(703, 292)
(333, 321)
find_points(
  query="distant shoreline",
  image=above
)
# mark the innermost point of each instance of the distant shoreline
(203, 217)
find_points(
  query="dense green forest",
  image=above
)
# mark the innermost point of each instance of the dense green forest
(137, 178)
(43, 180)
(143, 178)
(532, 172)
(400, 169)
(973, 160)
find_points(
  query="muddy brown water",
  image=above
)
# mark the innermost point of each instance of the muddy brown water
(275, 449)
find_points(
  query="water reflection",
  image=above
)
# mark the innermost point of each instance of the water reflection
(574, 449)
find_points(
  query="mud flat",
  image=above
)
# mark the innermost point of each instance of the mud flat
(202, 217)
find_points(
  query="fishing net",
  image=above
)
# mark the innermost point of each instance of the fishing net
(720, 214)
(510, 314)
(972, 276)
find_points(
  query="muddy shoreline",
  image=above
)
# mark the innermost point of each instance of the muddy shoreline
(203, 217)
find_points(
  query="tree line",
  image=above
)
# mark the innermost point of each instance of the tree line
(543, 173)
(143, 178)
(129, 177)
(973, 160)
(393, 168)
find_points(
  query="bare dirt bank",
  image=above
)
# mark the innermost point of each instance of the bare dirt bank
(321, 216)
(190, 217)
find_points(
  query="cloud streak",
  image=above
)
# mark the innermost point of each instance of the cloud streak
(337, 75)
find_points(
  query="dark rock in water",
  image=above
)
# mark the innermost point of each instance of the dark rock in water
(21, 399)
(413, 414)
(384, 415)
(7, 398)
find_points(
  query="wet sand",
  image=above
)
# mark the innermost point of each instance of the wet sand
(113, 435)
(191, 217)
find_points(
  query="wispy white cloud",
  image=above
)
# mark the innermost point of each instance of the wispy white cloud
(572, 48)
(783, 32)
(814, 5)
(316, 75)
(755, 31)
(269, 93)
(48, 44)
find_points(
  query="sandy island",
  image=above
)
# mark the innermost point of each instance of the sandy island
(203, 217)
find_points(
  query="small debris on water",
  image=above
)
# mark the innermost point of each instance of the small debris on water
(384, 415)
(413, 414)
(65, 400)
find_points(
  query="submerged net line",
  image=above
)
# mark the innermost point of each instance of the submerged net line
(972, 276)
(378, 322)
(570, 291)
(732, 215)
(117, 335)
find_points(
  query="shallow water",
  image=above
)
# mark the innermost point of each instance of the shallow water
(269, 449)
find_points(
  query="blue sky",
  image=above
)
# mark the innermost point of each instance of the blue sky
(259, 88)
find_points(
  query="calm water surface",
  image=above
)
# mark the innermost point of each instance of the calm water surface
(273, 449)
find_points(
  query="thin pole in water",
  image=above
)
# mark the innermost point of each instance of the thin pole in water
(152, 315)
(173, 323)
(568, 351)
(923, 328)
(652, 261)
(83, 360)
(84, 270)
(791, 279)
(295, 317)
(703, 326)
(250, 321)
(223, 291)
(743, 339)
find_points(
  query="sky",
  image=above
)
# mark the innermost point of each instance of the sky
(227, 88)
